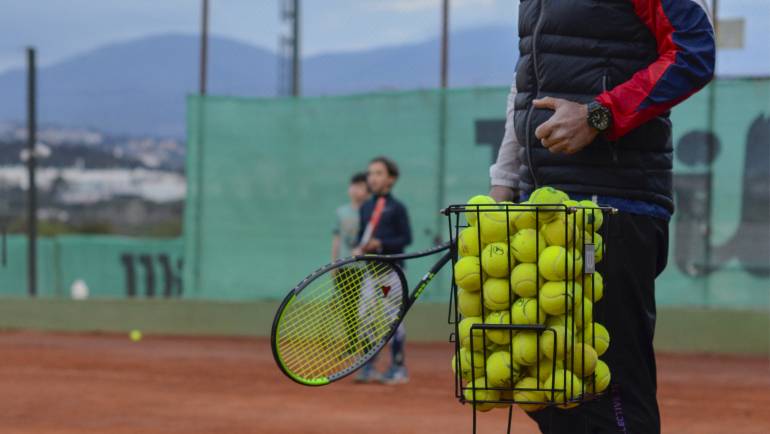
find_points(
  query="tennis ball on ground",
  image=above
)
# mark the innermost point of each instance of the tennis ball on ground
(495, 260)
(548, 196)
(593, 286)
(468, 242)
(497, 295)
(493, 225)
(501, 372)
(521, 218)
(583, 313)
(468, 273)
(468, 303)
(598, 382)
(472, 212)
(532, 396)
(581, 360)
(525, 281)
(593, 216)
(478, 389)
(559, 231)
(564, 385)
(559, 333)
(135, 335)
(464, 332)
(543, 369)
(471, 363)
(527, 245)
(524, 348)
(525, 311)
(556, 298)
(558, 263)
(597, 336)
(499, 337)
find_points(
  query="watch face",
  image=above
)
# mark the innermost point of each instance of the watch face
(599, 118)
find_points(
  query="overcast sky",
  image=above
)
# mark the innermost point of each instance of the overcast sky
(61, 28)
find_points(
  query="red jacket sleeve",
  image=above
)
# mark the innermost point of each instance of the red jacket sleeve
(685, 63)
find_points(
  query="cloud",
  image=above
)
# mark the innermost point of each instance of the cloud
(421, 5)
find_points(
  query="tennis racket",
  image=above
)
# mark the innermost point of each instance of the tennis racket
(341, 315)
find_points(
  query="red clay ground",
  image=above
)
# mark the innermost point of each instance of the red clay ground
(57, 383)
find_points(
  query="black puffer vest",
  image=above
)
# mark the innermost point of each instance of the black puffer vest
(575, 49)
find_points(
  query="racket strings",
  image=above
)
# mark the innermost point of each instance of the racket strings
(339, 318)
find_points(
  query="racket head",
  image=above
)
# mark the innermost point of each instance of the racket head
(337, 319)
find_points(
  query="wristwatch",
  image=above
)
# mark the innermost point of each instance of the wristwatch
(599, 116)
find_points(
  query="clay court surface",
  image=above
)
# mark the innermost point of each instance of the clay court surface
(64, 383)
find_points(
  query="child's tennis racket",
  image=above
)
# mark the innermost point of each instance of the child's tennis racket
(341, 315)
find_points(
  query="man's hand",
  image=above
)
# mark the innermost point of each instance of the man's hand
(374, 245)
(567, 131)
(502, 193)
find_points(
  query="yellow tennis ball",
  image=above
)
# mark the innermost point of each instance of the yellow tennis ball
(529, 400)
(583, 313)
(523, 217)
(527, 245)
(493, 225)
(468, 242)
(563, 386)
(468, 273)
(525, 281)
(598, 247)
(593, 216)
(468, 303)
(548, 196)
(476, 343)
(496, 260)
(499, 337)
(558, 263)
(501, 370)
(559, 231)
(135, 335)
(472, 212)
(525, 311)
(471, 363)
(497, 294)
(556, 341)
(478, 391)
(556, 298)
(600, 380)
(544, 368)
(595, 335)
(524, 348)
(593, 286)
(581, 360)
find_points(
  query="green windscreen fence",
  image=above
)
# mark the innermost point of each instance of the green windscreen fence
(265, 178)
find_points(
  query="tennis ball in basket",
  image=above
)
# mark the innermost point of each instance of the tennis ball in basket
(464, 332)
(558, 263)
(548, 196)
(593, 286)
(598, 382)
(533, 396)
(556, 297)
(468, 273)
(495, 260)
(525, 311)
(468, 303)
(525, 281)
(472, 212)
(499, 337)
(468, 242)
(527, 245)
(567, 385)
(593, 216)
(497, 295)
(559, 333)
(493, 225)
(583, 313)
(581, 360)
(598, 247)
(524, 348)
(521, 219)
(501, 370)
(559, 231)
(543, 369)
(597, 336)
(471, 364)
(478, 389)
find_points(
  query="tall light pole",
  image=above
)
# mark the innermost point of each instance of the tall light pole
(31, 166)
(442, 120)
(289, 49)
(204, 46)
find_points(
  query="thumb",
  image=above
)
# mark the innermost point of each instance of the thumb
(546, 103)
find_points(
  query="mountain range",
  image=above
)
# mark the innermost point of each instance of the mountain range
(138, 87)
